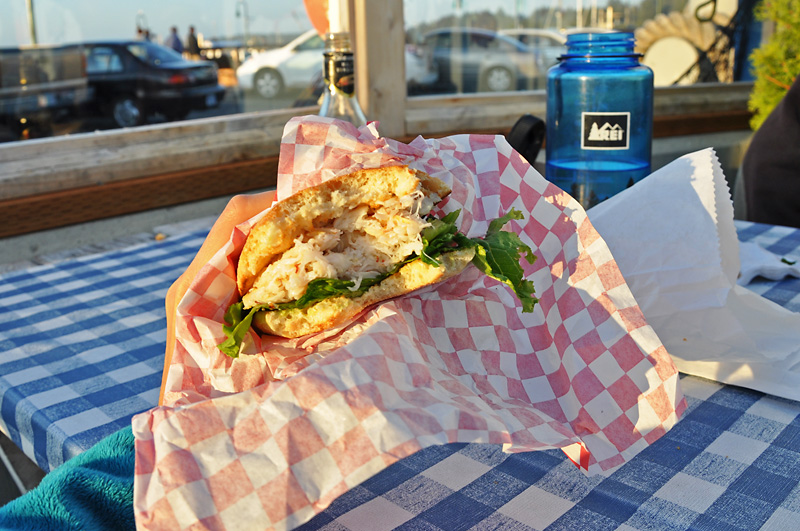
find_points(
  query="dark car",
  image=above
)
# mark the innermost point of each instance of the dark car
(477, 60)
(132, 80)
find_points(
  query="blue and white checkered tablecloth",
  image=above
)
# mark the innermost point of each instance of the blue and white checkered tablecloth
(81, 348)
(784, 242)
(82, 345)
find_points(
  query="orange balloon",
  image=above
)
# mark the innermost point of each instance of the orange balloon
(317, 11)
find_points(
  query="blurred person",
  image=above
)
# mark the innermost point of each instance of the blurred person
(192, 48)
(771, 165)
(173, 41)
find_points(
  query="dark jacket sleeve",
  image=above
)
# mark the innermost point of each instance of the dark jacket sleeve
(771, 166)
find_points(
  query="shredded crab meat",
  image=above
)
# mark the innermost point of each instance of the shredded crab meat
(362, 243)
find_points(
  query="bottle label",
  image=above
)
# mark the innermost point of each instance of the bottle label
(605, 130)
(339, 72)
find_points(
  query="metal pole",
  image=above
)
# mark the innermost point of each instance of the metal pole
(245, 14)
(31, 21)
(246, 21)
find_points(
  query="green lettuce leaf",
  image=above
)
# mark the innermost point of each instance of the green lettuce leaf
(238, 323)
(497, 255)
(240, 320)
(438, 237)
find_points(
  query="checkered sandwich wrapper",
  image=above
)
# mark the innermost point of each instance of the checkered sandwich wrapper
(274, 436)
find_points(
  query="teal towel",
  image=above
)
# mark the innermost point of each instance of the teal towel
(91, 491)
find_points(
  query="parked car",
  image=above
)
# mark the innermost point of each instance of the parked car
(39, 86)
(297, 64)
(477, 60)
(548, 44)
(132, 80)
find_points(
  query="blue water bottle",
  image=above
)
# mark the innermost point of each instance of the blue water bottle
(599, 117)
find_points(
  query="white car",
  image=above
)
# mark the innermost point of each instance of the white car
(296, 65)
(548, 44)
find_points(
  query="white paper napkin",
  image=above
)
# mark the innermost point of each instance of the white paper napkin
(759, 262)
(673, 237)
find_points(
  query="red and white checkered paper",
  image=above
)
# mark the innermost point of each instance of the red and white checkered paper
(270, 439)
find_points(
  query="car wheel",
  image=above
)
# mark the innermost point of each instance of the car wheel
(268, 83)
(498, 79)
(127, 112)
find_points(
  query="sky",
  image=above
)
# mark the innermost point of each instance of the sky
(62, 21)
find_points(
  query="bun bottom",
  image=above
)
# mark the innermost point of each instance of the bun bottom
(336, 311)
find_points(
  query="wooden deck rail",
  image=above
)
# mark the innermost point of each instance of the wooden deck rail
(22, 215)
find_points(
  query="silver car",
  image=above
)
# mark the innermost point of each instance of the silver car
(477, 60)
(296, 65)
(549, 44)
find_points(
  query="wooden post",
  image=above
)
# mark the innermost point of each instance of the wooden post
(379, 46)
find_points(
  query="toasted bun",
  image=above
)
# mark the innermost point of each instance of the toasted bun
(315, 206)
(336, 311)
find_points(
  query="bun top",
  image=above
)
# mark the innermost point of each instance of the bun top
(318, 205)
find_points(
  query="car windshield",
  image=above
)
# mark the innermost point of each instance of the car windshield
(153, 54)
